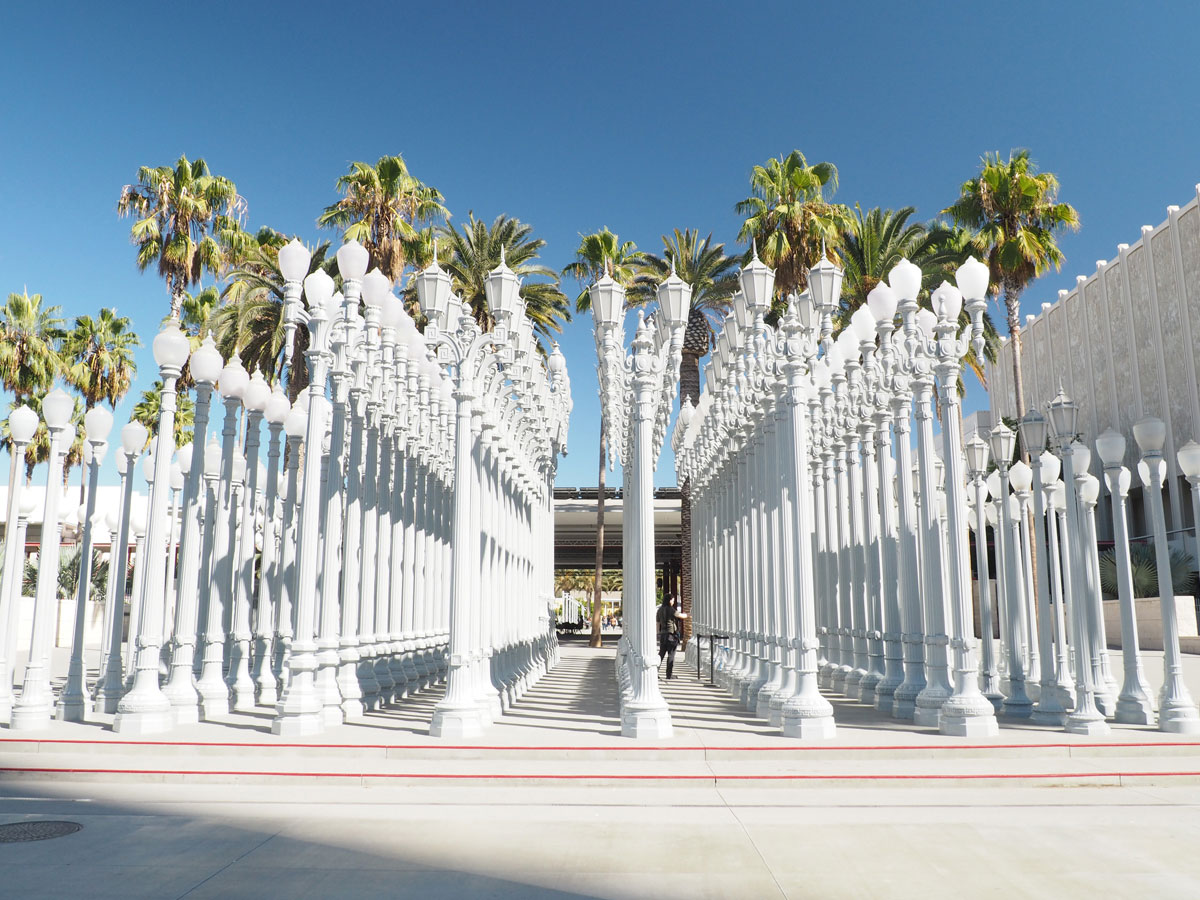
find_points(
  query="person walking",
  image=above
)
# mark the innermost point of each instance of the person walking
(670, 630)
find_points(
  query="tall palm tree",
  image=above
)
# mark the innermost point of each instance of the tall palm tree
(384, 208)
(98, 355)
(149, 407)
(1014, 213)
(180, 211)
(30, 335)
(250, 319)
(469, 253)
(599, 253)
(789, 217)
(713, 276)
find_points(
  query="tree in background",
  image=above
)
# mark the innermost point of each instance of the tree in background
(599, 253)
(1014, 216)
(469, 253)
(180, 212)
(98, 357)
(250, 318)
(148, 408)
(713, 276)
(30, 337)
(789, 218)
(384, 208)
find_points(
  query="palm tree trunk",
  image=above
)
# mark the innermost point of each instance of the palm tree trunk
(1012, 306)
(689, 391)
(597, 589)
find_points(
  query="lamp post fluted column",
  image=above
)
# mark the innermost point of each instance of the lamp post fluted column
(146, 709)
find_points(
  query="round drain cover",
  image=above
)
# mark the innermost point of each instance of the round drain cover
(35, 831)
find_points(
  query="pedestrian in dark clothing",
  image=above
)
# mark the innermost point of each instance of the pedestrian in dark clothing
(670, 632)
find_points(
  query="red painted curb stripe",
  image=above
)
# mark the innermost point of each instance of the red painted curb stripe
(619, 749)
(544, 777)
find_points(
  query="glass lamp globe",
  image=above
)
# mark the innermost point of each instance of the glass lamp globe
(1089, 490)
(134, 437)
(905, 280)
(375, 289)
(825, 283)
(28, 504)
(98, 423)
(501, 287)
(995, 488)
(212, 459)
(352, 260)
(758, 284)
(122, 462)
(294, 259)
(257, 393)
(674, 297)
(1144, 473)
(57, 407)
(171, 347)
(1081, 457)
(277, 407)
(22, 424)
(1064, 415)
(176, 477)
(972, 278)
(318, 288)
(206, 362)
(1051, 467)
(296, 423)
(1033, 430)
(1189, 459)
(1003, 441)
(863, 323)
(1020, 476)
(148, 466)
(947, 302)
(976, 452)
(234, 378)
(110, 519)
(1150, 434)
(926, 321)
(882, 302)
(1111, 448)
(239, 467)
(137, 516)
(183, 458)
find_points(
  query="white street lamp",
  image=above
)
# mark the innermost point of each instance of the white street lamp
(1177, 711)
(22, 424)
(73, 703)
(34, 707)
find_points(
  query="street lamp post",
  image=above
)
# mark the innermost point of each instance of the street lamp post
(22, 423)
(1085, 718)
(146, 709)
(73, 703)
(1177, 711)
(35, 706)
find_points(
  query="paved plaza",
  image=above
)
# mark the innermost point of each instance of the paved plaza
(554, 803)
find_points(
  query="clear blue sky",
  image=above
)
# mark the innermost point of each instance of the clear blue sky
(637, 116)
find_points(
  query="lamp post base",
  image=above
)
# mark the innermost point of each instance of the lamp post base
(968, 717)
(642, 723)
(1135, 711)
(148, 718)
(1086, 725)
(73, 709)
(459, 722)
(1181, 719)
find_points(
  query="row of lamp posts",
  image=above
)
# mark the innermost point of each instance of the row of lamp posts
(637, 391)
(382, 542)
